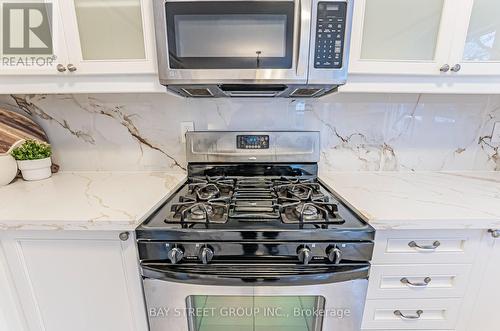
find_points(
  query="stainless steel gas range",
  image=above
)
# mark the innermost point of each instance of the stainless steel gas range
(253, 241)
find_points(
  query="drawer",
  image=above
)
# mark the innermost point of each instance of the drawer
(418, 281)
(416, 314)
(424, 246)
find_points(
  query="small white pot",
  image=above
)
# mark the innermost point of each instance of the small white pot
(35, 169)
(8, 169)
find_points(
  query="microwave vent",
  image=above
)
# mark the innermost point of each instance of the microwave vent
(198, 92)
(306, 92)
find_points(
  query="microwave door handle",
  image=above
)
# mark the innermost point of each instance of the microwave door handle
(302, 47)
(240, 276)
(299, 40)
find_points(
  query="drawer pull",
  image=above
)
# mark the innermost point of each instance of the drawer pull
(399, 314)
(407, 282)
(432, 247)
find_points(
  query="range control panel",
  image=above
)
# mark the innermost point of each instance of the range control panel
(330, 32)
(252, 141)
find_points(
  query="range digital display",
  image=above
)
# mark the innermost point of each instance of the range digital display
(252, 141)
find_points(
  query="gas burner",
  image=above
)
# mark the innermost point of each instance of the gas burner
(303, 191)
(308, 211)
(205, 192)
(191, 211)
(211, 187)
(296, 211)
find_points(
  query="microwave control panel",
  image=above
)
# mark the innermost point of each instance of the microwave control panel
(330, 33)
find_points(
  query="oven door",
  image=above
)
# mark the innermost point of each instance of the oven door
(215, 298)
(232, 41)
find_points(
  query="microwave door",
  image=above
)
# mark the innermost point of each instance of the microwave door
(212, 42)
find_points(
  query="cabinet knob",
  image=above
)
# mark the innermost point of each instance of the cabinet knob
(61, 68)
(124, 236)
(71, 68)
(445, 68)
(456, 68)
(494, 233)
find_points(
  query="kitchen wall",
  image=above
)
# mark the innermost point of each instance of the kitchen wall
(359, 131)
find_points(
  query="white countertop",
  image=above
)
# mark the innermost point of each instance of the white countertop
(85, 200)
(120, 201)
(433, 200)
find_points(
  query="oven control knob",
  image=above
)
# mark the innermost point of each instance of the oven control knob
(175, 255)
(206, 255)
(305, 255)
(334, 255)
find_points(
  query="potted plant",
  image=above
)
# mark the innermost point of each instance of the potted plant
(33, 159)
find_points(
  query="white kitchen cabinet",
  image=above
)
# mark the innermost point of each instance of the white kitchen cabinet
(476, 46)
(402, 36)
(425, 46)
(76, 281)
(483, 313)
(109, 37)
(33, 54)
(98, 46)
(420, 279)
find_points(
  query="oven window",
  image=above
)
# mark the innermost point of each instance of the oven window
(259, 313)
(230, 35)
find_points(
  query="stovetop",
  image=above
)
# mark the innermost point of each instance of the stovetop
(291, 205)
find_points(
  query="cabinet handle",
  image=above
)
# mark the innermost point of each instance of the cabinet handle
(494, 233)
(432, 247)
(399, 314)
(407, 282)
(61, 68)
(71, 68)
(456, 68)
(444, 68)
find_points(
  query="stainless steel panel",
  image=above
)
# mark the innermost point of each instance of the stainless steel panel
(297, 74)
(284, 146)
(329, 76)
(171, 299)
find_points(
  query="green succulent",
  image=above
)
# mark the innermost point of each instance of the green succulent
(32, 150)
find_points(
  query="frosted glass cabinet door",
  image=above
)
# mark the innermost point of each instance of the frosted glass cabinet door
(478, 52)
(34, 38)
(110, 36)
(401, 36)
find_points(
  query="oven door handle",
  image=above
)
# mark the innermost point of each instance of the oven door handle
(249, 275)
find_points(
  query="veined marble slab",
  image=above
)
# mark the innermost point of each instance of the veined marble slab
(421, 200)
(117, 201)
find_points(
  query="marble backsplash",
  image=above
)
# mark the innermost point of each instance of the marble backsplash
(386, 132)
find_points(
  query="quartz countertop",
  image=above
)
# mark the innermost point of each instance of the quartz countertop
(120, 201)
(115, 201)
(421, 200)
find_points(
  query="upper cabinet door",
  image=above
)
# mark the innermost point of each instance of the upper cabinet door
(33, 38)
(109, 36)
(476, 47)
(402, 36)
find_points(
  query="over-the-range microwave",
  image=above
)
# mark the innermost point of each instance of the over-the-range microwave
(253, 48)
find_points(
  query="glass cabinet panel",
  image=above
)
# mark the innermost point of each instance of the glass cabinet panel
(482, 43)
(110, 29)
(401, 29)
